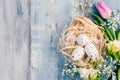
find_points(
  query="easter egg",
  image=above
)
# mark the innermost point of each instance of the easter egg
(78, 53)
(91, 50)
(82, 39)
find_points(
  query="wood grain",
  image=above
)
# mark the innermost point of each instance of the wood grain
(29, 32)
(48, 20)
(14, 40)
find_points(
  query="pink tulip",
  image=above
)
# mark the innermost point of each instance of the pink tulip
(103, 9)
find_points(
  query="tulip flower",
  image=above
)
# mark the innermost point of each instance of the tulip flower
(103, 9)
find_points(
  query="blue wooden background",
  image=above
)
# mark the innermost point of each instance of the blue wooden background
(29, 32)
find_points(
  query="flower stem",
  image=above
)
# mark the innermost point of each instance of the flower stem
(108, 32)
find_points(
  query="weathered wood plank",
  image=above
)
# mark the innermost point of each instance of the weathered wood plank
(14, 40)
(48, 20)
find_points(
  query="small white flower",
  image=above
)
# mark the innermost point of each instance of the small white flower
(68, 71)
(75, 70)
(72, 74)
(63, 74)
(104, 65)
(65, 64)
(63, 70)
(106, 56)
(119, 61)
(115, 67)
(74, 66)
(85, 72)
(111, 59)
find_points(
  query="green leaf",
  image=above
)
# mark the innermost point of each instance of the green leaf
(98, 78)
(117, 55)
(113, 34)
(101, 21)
(98, 17)
(106, 37)
(118, 37)
(95, 64)
(109, 50)
(96, 22)
(118, 74)
(107, 30)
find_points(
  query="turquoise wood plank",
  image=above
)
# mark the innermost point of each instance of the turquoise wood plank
(14, 40)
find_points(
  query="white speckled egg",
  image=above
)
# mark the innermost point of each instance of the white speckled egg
(82, 39)
(91, 50)
(78, 53)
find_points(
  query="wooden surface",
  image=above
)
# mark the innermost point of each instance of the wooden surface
(29, 32)
(14, 40)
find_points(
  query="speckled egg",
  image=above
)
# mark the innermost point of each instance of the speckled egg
(91, 50)
(82, 39)
(78, 53)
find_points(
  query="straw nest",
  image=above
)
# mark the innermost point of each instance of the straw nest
(67, 40)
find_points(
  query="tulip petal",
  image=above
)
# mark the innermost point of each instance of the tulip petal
(103, 9)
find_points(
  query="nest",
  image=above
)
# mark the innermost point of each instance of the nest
(81, 25)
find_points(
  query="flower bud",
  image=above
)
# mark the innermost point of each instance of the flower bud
(103, 9)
